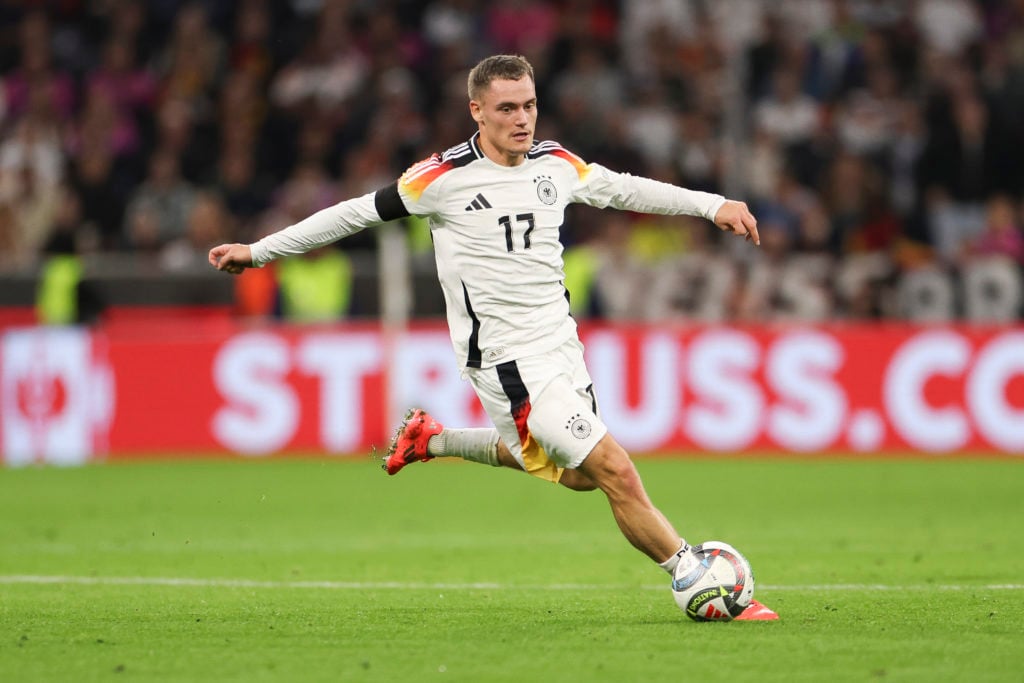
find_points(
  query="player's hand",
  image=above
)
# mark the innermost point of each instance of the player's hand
(231, 258)
(736, 218)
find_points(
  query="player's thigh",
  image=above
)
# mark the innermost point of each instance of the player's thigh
(543, 407)
(564, 423)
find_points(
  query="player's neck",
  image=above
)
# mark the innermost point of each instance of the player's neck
(497, 156)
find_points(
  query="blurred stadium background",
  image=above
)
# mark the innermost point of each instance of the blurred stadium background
(878, 143)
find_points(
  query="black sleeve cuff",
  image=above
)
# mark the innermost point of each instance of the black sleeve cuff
(389, 204)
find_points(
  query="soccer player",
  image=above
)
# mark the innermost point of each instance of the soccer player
(495, 204)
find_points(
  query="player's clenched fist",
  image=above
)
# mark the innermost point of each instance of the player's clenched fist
(232, 258)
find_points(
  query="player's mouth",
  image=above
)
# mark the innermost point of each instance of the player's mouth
(521, 137)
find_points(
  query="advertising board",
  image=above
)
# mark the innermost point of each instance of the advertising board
(70, 395)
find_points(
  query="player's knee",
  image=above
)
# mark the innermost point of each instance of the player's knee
(610, 467)
(626, 477)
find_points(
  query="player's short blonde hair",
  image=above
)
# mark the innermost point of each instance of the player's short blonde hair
(497, 67)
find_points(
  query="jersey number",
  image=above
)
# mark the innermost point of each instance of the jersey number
(506, 222)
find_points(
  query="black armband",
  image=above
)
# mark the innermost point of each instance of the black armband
(389, 204)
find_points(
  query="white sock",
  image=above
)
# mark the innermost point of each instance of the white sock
(671, 563)
(478, 445)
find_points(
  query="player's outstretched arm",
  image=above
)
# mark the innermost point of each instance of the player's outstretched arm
(736, 218)
(231, 258)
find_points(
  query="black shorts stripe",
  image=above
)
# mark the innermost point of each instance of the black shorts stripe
(474, 355)
(512, 384)
(518, 398)
(389, 204)
(593, 399)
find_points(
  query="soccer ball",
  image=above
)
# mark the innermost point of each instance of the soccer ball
(717, 586)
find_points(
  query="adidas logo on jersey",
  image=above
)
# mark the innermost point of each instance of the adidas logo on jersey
(479, 202)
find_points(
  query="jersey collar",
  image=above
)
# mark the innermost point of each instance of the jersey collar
(474, 144)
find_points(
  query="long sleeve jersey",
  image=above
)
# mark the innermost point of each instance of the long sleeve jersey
(496, 237)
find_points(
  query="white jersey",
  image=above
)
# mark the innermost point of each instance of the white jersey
(496, 237)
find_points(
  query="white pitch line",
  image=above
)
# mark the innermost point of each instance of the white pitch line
(405, 585)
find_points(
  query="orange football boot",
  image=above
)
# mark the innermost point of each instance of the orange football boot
(410, 442)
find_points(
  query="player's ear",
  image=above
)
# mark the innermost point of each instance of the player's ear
(476, 111)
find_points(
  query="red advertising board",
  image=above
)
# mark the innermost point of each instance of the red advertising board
(125, 391)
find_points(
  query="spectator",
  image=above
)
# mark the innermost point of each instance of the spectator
(107, 124)
(764, 166)
(972, 158)
(698, 153)
(861, 217)
(316, 287)
(867, 119)
(961, 167)
(641, 19)
(329, 72)
(520, 26)
(590, 77)
(401, 124)
(158, 210)
(130, 88)
(448, 24)
(101, 193)
(129, 23)
(9, 251)
(193, 62)
(306, 191)
(191, 140)
(60, 268)
(1002, 235)
(35, 85)
(33, 148)
(208, 224)
(651, 126)
(67, 234)
(246, 193)
(605, 278)
(948, 26)
(250, 51)
(30, 171)
(886, 132)
(786, 113)
(904, 157)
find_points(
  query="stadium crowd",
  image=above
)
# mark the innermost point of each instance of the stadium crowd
(878, 142)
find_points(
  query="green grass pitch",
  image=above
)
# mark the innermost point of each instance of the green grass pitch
(328, 570)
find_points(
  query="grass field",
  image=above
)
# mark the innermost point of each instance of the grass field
(315, 570)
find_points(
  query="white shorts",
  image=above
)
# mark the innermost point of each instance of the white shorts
(544, 408)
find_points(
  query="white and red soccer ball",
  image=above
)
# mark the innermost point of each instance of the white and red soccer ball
(716, 584)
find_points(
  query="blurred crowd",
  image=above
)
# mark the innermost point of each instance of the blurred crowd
(877, 141)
